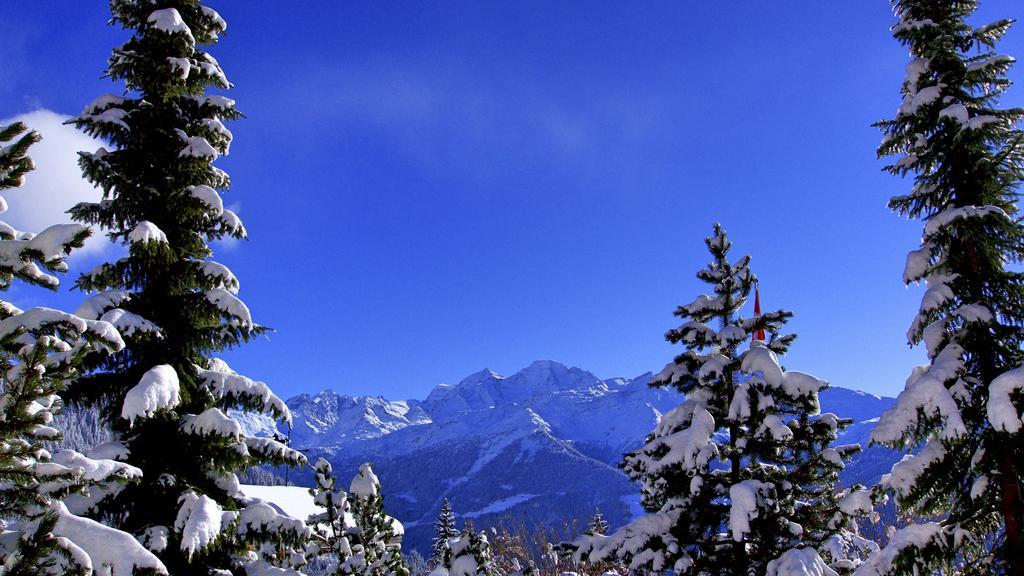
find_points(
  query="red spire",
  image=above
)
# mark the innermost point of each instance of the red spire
(759, 335)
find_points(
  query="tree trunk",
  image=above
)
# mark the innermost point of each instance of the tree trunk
(1012, 508)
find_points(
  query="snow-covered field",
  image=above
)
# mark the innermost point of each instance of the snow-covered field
(295, 501)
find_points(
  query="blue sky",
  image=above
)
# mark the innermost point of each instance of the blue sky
(431, 188)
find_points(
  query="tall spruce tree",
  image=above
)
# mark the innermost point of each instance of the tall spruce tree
(40, 350)
(164, 395)
(444, 531)
(717, 474)
(961, 412)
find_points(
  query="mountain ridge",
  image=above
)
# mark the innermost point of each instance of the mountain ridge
(540, 446)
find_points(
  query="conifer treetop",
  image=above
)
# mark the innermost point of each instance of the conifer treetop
(715, 473)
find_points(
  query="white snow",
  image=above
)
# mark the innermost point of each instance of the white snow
(295, 501)
(944, 218)
(974, 313)
(925, 392)
(168, 20)
(913, 536)
(212, 269)
(111, 552)
(760, 359)
(95, 306)
(939, 291)
(998, 59)
(211, 422)
(500, 505)
(198, 147)
(155, 538)
(230, 305)
(712, 367)
(113, 116)
(232, 222)
(146, 231)
(1002, 413)
(158, 388)
(260, 516)
(914, 70)
(199, 522)
(686, 431)
(212, 14)
(857, 503)
(209, 197)
(180, 66)
(224, 383)
(979, 122)
(978, 487)
(923, 97)
(128, 323)
(744, 497)
(904, 474)
(103, 102)
(95, 469)
(365, 482)
(799, 562)
(731, 335)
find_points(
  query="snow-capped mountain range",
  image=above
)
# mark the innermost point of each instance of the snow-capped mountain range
(540, 446)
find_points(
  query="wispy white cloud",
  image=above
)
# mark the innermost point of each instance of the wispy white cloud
(439, 119)
(56, 184)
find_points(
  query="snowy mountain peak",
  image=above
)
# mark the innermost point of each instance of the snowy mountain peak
(344, 417)
(556, 375)
(481, 376)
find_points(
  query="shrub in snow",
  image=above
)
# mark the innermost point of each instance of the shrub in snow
(742, 471)
(353, 535)
(175, 307)
(332, 528)
(40, 350)
(466, 555)
(375, 539)
(597, 523)
(961, 413)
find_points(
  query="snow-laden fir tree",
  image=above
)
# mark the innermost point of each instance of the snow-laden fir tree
(333, 527)
(720, 474)
(165, 395)
(40, 350)
(597, 523)
(468, 555)
(444, 531)
(961, 412)
(376, 539)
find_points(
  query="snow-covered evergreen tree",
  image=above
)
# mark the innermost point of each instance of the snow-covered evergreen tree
(961, 412)
(40, 350)
(376, 539)
(334, 526)
(597, 524)
(174, 306)
(717, 472)
(444, 531)
(468, 555)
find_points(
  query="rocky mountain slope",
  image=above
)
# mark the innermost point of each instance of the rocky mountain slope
(540, 446)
